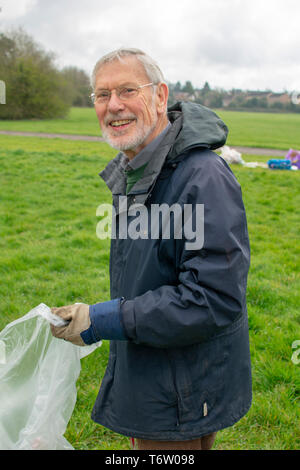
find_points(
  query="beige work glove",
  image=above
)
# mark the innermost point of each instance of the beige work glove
(78, 317)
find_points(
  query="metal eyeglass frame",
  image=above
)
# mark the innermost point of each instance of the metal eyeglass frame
(119, 91)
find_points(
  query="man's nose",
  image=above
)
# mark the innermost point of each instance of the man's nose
(115, 104)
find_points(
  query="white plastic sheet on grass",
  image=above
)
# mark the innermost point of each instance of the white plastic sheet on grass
(231, 155)
(38, 375)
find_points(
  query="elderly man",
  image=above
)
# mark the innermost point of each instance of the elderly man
(179, 365)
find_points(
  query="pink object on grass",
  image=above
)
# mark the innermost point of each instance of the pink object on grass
(294, 156)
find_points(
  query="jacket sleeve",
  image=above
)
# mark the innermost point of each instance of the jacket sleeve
(105, 318)
(211, 290)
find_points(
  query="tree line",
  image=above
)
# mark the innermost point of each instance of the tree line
(37, 89)
(234, 99)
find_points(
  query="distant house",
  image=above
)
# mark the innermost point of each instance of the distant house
(256, 94)
(271, 97)
(227, 100)
(230, 96)
(283, 98)
(244, 96)
(183, 96)
(235, 98)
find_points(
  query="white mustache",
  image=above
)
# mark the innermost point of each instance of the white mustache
(117, 117)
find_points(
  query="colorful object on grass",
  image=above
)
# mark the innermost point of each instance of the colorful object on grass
(279, 164)
(294, 156)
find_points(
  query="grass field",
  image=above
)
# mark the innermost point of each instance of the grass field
(49, 252)
(278, 131)
(82, 121)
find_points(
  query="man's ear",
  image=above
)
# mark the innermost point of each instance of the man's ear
(162, 94)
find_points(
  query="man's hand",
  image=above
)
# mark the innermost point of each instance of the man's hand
(78, 317)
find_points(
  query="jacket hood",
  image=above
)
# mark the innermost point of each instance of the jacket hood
(201, 127)
(193, 125)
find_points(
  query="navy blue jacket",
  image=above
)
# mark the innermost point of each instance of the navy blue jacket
(179, 364)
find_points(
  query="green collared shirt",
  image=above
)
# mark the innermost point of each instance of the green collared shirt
(133, 176)
(135, 167)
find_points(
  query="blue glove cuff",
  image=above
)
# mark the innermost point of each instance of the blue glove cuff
(105, 322)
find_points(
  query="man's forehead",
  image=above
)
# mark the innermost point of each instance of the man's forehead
(125, 71)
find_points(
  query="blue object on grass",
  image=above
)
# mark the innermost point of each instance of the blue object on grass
(279, 164)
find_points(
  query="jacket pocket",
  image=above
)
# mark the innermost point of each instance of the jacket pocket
(199, 375)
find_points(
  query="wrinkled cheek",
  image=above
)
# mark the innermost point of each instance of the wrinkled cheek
(149, 115)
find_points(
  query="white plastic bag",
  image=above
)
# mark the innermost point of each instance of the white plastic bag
(38, 375)
(231, 155)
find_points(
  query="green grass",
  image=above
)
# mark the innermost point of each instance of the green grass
(49, 192)
(67, 147)
(266, 130)
(273, 130)
(81, 121)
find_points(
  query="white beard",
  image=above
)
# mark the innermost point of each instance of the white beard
(132, 141)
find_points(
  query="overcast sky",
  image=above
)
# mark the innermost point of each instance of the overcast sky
(248, 44)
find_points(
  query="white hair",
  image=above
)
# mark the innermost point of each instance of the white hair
(151, 68)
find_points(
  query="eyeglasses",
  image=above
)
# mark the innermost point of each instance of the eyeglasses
(124, 93)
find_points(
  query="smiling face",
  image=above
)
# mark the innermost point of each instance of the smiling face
(130, 125)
